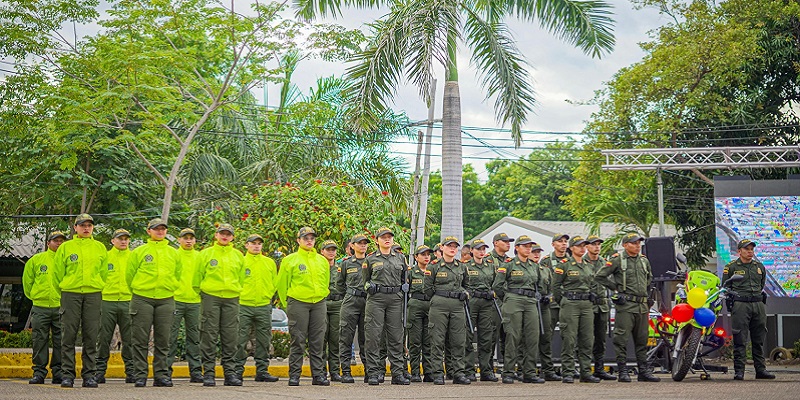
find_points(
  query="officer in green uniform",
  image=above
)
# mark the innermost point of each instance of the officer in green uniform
(551, 261)
(437, 252)
(748, 313)
(334, 306)
(80, 270)
(517, 283)
(601, 308)
(445, 283)
(153, 273)
(352, 311)
(187, 308)
(303, 283)
(255, 308)
(629, 275)
(419, 340)
(38, 285)
(480, 276)
(219, 278)
(116, 307)
(502, 244)
(384, 276)
(572, 284)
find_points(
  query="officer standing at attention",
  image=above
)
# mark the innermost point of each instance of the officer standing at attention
(419, 340)
(116, 307)
(352, 310)
(38, 285)
(629, 275)
(555, 259)
(572, 286)
(153, 273)
(255, 308)
(303, 287)
(502, 244)
(219, 278)
(516, 283)
(383, 275)
(547, 370)
(187, 308)
(334, 306)
(480, 276)
(748, 313)
(601, 308)
(80, 270)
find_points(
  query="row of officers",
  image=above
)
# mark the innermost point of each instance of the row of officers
(450, 314)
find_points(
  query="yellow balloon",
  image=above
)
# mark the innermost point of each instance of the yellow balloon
(697, 298)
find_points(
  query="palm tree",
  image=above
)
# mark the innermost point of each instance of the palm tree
(416, 34)
(628, 216)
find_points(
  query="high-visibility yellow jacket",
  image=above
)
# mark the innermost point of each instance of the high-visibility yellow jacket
(304, 276)
(260, 274)
(37, 280)
(80, 266)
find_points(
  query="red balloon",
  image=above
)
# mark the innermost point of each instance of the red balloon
(682, 312)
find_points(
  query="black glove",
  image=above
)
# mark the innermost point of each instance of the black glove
(764, 297)
(463, 296)
(370, 288)
(617, 299)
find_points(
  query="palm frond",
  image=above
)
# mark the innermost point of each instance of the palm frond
(430, 24)
(310, 9)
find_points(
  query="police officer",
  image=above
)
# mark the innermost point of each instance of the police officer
(334, 306)
(187, 308)
(551, 261)
(38, 285)
(255, 308)
(629, 275)
(152, 274)
(547, 371)
(516, 283)
(219, 278)
(572, 286)
(303, 287)
(383, 276)
(747, 309)
(437, 252)
(80, 270)
(601, 308)
(466, 253)
(480, 276)
(116, 307)
(351, 316)
(419, 304)
(502, 244)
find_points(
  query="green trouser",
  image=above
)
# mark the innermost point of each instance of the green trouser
(79, 311)
(577, 328)
(351, 321)
(331, 345)
(748, 318)
(546, 342)
(189, 314)
(521, 322)
(307, 323)
(419, 340)
(632, 324)
(383, 316)
(158, 314)
(258, 319)
(44, 321)
(114, 313)
(447, 318)
(220, 320)
(600, 332)
(483, 314)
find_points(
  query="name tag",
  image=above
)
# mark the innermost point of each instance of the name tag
(377, 264)
(473, 273)
(517, 273)
(441, 274)
(574, 273)
(351, 270)
(739, 272)
(416, 281)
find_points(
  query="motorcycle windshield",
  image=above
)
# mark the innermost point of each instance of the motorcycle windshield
(702, 279)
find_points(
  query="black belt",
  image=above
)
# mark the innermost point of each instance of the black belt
(386, 289)
(447, 293)
(747, 299)
(579, 296)
(356, 292)
(635, 299)
(481, 295)
(335, 297)
(420, 296)
(523, 292)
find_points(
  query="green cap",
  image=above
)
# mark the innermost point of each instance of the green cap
(421, 249)
(55, 235)
(632, 237)
(225, 228)
(253, 237)
(120, 232)
(502, 236)
(577, 241)
(84, 218)
(559, 236)
(305, 231)
(744, 243)
(186, 231)
(536, 247)
(437, 247)
(359, 237)
(382, 231)
(593, 239)
(450, 239)
(524, 239)
(477, 244)
(397, 248)
(328, 244)
(155, 223)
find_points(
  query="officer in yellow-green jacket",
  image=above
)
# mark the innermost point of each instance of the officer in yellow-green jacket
(37, 283)
(219, 277)
(153, 273)
(187, 308)
(116, 307)
(80, 272)
(255, 308)
(303, 287)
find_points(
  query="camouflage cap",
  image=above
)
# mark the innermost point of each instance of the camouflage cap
(359, 237)
(253, 237)
(502, 236)
(577, 241)
(594, 239)
(744, 243)
(305, 231)
(120, 232)
(382, 231)
(559, 236)
(449, 240)
(186, 231)
(56, 234)
(328, 244)
(477, 244)
(524, 239)
(84, 218)
(632, 237)
(226, 228)
(155, 223)
(421, 249)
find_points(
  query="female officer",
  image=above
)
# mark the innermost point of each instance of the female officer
(480, 276)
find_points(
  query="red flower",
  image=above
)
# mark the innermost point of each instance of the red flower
(344, 183)
(385, 193)
(318, 181)
(244, 216)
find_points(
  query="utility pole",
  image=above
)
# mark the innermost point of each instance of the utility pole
(415, 199)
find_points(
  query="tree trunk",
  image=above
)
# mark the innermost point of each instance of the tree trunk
(452, 207)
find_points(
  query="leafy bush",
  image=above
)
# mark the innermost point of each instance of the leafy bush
(796, 349)
(16, 340)
(280, 344)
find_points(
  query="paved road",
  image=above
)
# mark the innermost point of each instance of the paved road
(786, 386)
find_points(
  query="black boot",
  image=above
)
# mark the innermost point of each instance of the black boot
(623, 373)
(646, 375)
(320, 380)
(347, 378)
(335, 377)
(294, 380)
(764, 374)
(36, 380)
(600, 372)
(232, 380)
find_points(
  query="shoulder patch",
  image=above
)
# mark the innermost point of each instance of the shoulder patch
(563, 260)
(558, 271)
(508, 259)
(434, 262)
(489, 260)
(501, 270)
(427, 272)
(608, 263)
(615, 255)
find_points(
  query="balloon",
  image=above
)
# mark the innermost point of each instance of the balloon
(682, 312)
(705, 317)
(697, 297)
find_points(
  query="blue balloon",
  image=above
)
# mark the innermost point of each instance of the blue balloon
(705, 317)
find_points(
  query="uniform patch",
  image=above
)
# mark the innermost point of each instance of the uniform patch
(559, 271)
(73, 257)
(442, 274)
(213, 262)
(508, 259)
(725, 271)
(351, 270)
(148, 258)
(377, 264)
(489, 260)
(574, 273)
(43, 268)
(427, 273)
(564, 260)
(501, 270)
(416, 281)
(739, 272)
(517, 273)
(302, 267)
(247, 272)
(364, 265)
(339, 269)
(474, 273)
(758, 270)
(608, 263)
(110, 267)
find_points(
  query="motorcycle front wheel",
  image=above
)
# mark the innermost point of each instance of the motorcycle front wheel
(686, 354)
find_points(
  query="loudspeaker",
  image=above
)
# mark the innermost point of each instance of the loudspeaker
(661, 253)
